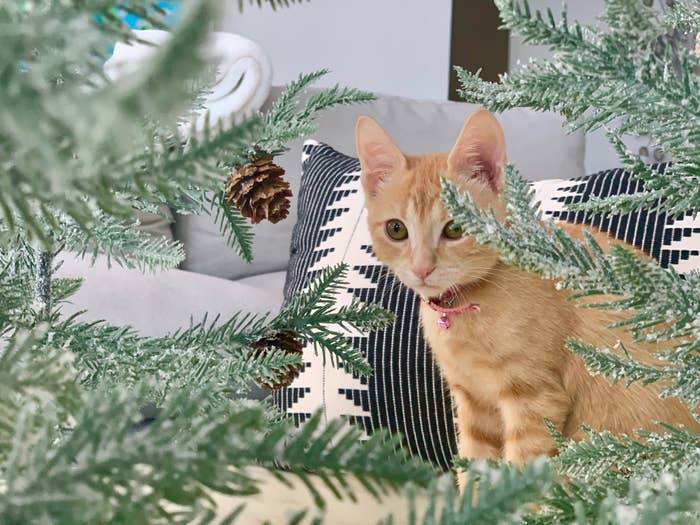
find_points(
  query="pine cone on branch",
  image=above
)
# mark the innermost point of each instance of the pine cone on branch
(287, 341)
(259, 190)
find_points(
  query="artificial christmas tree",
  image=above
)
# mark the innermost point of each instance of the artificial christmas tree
(80, 156)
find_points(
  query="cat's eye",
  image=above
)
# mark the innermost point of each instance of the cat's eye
(396, 230)
(452, 230)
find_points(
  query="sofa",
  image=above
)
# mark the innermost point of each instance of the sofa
(214, 280)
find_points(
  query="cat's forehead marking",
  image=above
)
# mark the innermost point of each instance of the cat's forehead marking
(424, 186)
(411, 211)
(424, 211)
(438, 211)
(424, 202)
(414, 196)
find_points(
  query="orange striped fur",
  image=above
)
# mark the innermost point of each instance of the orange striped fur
(506, 366)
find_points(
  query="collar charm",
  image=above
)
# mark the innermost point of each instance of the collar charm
(443, 322)
(448, 298)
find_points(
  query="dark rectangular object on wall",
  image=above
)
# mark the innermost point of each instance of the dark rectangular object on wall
(476, 42)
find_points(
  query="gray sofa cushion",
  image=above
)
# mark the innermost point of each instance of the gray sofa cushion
(537, 144)
(163, 302)
(157, 224)
(207, 252)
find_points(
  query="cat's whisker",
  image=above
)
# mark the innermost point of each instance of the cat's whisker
(383, 278)
(508, 292)
(462, 293)
(395, 284)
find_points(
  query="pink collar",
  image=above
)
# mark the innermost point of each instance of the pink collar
(448, 297)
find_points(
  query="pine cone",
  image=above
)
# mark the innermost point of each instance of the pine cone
(258, 190)
(287, 341)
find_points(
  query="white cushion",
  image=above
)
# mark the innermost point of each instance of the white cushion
(158, 225)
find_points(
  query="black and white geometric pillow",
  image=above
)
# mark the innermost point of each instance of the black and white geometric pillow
(406, 393)
(671, 240)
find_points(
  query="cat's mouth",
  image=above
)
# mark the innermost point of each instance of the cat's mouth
(447, 296)
(428, 291)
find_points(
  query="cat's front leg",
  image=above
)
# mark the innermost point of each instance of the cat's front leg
(479, 426)
(524, 409)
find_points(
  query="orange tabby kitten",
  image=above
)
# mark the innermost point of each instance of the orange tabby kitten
(505, 360)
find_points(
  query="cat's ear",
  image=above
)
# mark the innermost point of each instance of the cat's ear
(379, 156)
(480, 150)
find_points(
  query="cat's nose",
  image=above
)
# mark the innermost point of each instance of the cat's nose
(423, 271)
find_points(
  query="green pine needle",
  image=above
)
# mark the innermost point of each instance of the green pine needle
(114, 467)
(603, 454)
(494, 493)
(685, 15)
(218, 352)
(121, 243)
(288, 119)
(34, 387)
(235, 228)
(313, 315)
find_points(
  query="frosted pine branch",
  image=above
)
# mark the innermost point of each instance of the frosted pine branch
(274, 4)
(666, 306)
(685, 15)
(603, 454)
(289, 119)
(218, 352)
(494, 493)
(601, 77)
(150, 163)
(132, 467)
(121, 243)
(314, 316)
(34, 386)
(235, 228)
